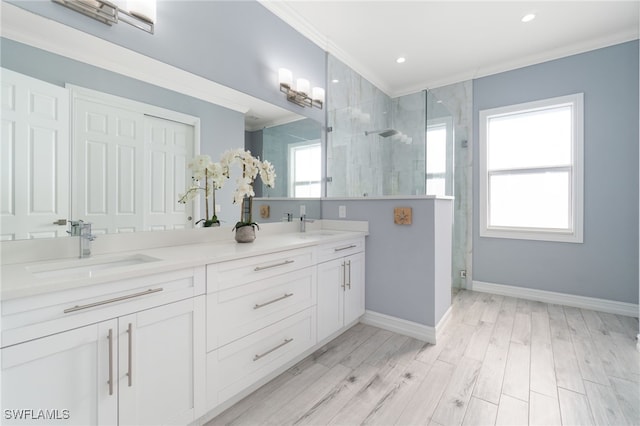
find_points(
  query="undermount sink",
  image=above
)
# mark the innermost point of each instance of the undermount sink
(315, 234)
(87, 267)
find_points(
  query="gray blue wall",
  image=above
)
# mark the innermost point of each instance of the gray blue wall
(239, 44)
(606, 264)
(403, 279)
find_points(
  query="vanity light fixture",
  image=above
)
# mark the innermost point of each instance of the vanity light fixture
(301, 95)
(140, 13)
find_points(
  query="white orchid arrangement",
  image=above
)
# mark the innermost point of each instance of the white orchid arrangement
(210, 173)
(251, 168)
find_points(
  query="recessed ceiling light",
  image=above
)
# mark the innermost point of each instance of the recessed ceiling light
(335, 80)
(528, 17)
(400, 60)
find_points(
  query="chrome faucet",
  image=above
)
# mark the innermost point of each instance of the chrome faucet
(83, 230)
(303, 223)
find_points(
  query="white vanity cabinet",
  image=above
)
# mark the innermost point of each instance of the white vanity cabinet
(260, 315)
(130, 352)
(65, 374)
(340, 285)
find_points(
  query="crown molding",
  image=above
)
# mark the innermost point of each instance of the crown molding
(292, 18)
(288, 14)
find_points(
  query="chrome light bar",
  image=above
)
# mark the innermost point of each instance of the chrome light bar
(108, 13)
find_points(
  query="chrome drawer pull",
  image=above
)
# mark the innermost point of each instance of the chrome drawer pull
(115, 299)
(286, 341)
(130, 354)
(345, 247)
(110, 381)
(258, 306)
(260, 268)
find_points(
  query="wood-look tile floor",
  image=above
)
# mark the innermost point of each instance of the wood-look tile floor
(501, 360)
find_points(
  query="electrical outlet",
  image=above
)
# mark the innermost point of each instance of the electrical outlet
(303, 209)
(217, 209)
(463, 273)
(342, 212)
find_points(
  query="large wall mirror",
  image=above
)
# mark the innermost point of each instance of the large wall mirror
(217, 129)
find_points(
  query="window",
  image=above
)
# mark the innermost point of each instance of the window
(531, 170)
(439, 157)
(305, 161)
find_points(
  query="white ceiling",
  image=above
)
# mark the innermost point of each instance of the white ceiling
(450, 41)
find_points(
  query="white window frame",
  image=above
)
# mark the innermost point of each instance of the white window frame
(574, 233)
(447, 123)
(292, 166)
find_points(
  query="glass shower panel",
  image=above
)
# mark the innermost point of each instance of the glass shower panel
(439, 151)
(376, 144)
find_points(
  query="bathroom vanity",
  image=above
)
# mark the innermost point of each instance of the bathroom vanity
(171, 335)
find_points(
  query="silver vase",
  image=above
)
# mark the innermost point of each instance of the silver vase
(245, 234)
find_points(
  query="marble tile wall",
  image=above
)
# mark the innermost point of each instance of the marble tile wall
(360, 165)
(371, 165)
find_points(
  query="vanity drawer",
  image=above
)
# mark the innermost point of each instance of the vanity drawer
(236, 366)
(242, 310)
(37, 316)
(237, 272)
(338, 249)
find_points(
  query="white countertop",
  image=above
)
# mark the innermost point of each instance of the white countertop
(19, 280)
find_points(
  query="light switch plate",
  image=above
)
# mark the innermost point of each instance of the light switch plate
(342, 212)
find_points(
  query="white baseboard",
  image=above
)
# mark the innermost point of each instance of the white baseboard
(397, 325)
(603, 305)
(442, 324)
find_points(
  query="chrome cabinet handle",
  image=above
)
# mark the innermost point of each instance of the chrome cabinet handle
(130, 360)
(286, 341)
(110, 381)
(261, 305)
(344, 275)
(260, 268)
(345, 247)
(115, 299)
(349, 274)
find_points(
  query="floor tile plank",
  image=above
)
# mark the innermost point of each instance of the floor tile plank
(480, 412)
(422, 404)
(363, 351)
(391, 406)
(576, 322)
(479, 341)
(455, 400)
(308, 397)
(604, 405)
(588, 360)
(574, 408)
(516, 375)
(512, 412)
(543, 375)
(628, 395)
(338, 349)
(543, 410)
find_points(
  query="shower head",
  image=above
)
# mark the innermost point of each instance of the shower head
(385, 133)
